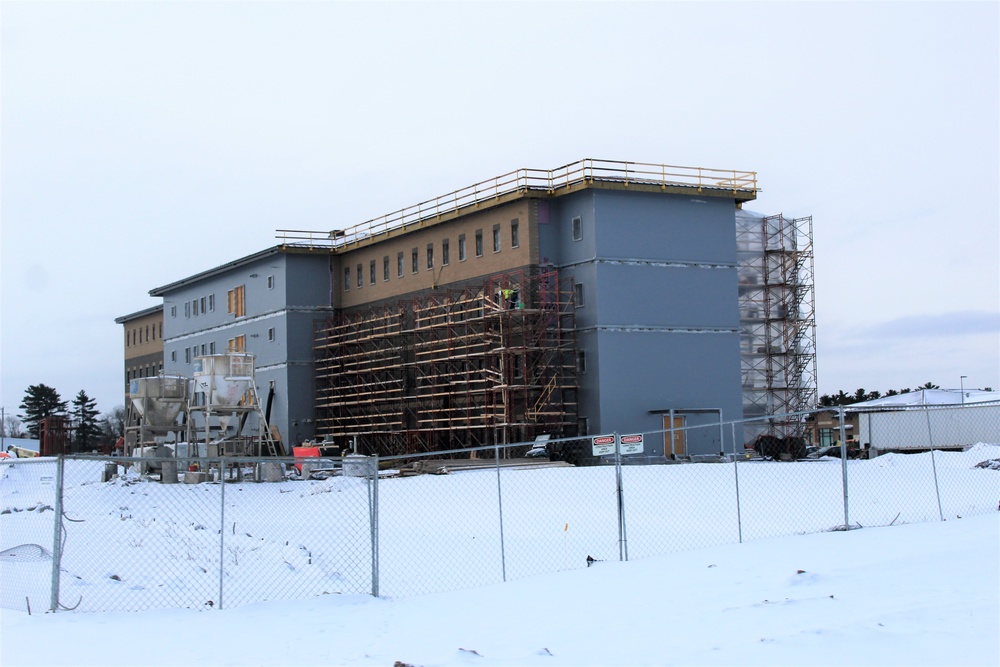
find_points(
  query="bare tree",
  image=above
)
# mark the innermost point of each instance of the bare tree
(112, 424)
(11, 427)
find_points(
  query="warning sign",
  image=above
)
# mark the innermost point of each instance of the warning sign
(603, 445)
(632, 444)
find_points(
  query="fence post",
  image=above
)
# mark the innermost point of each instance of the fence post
(222, 528)
(930, 443)
(57, 537)
(503, 554)
(843, 465)
(373, 522)
(736, 473)
(622, 534)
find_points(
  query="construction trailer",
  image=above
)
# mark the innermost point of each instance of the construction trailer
(777, 322)
(489, 363)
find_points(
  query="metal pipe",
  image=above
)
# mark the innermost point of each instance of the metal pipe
(736, 473)
(930, 441)
(222, 529)
(57, 530)
(503, 554)
(843, 464)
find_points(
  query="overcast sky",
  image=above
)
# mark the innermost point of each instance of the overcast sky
(143, 142)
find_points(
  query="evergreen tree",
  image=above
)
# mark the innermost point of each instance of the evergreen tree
(40, 401)
(85, 413)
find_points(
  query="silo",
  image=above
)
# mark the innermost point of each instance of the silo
(156, 405)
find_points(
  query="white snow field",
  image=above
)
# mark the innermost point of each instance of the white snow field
(904, 589)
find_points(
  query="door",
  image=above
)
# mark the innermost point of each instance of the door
(678, 444)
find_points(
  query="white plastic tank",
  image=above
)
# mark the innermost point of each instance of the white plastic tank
(223, 379)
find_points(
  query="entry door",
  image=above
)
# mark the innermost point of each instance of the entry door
(678, 435)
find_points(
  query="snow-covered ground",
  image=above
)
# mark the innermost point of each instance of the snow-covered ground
(907, 593)
(916, 594)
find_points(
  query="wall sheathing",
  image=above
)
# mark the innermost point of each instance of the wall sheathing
(490, 363)
(777, 320)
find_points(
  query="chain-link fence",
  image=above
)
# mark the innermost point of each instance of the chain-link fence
(97, 534)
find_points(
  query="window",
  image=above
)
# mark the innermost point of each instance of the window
(414, 261)
(270, 334)
(187, 309)
(479, 243)
(371, 272)
(361, 276)
(578, 295)
(154, 332)
(211, 347)
(270, 282)
(399, 264)
(577, 228)
(161, 330)
(173, 355)
(194, 307)
(385, 268)
(173, 311)
(515, 241)
(211, 303)
(187, 355)
(236, 301)
(203, 349)
(347, 279)
(445, 259)
(430, 255)
(461, 247)
(237, 344)
(581, 361)
(496, 238)
(203, 300)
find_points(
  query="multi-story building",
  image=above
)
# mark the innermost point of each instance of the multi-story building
(143, 343)
(264, 304)
(597, 297)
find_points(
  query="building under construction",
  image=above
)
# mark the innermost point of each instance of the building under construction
(595, 297)
(484, 364)
(777, 321)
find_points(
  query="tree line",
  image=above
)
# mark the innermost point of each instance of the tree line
(860, 395)
(90, 429)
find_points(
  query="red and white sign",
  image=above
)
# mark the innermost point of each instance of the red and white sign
(632, 444)
(603, 445)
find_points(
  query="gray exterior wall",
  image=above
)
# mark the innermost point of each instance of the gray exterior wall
(283, 294)
(660, 314)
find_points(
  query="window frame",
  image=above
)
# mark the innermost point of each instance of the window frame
(577, 228)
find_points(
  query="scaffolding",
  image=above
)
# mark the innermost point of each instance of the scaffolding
(488, 363)
(777, 321)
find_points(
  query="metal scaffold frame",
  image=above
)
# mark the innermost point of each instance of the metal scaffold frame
(490, 363)
(777, 321)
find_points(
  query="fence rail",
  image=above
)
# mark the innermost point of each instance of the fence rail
(99, 534)
(523, 180)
